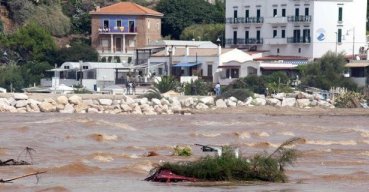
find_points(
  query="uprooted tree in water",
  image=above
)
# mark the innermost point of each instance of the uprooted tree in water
(12, 162)
(229, 167)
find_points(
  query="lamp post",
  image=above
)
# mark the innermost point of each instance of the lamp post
(353, 41)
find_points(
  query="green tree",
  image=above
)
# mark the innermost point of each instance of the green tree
(31, 41)
(76, 53)
(326, 72)
(11, 76)
(206, 32)
(33, 72)
(179, 14)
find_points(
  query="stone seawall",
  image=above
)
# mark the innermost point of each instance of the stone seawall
(110, 104)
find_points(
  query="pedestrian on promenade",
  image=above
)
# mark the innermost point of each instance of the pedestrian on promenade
(217, 89)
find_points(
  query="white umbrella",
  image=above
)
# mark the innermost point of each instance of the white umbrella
(2, 90)
(62, 88)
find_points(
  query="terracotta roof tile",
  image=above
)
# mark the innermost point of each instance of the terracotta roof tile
(125, 8)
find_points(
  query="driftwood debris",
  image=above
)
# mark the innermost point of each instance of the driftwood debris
(23, 176)
(12, 162)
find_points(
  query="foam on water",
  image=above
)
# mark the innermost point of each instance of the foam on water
(103, 159)
(100, 137)
(287, 133)
(119, 125)
(323, 142)
(363, 132)
(243, 135)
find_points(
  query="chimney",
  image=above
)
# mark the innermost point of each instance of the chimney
(187, 51)
(97, 7)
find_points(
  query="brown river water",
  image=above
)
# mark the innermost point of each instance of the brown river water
(98, 153)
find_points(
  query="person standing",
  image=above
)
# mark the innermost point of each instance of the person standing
(217, 89)
(134, 87)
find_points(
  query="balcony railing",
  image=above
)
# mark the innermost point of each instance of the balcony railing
(276, 20)
(250, 41)
(305, 39)
(276, 41)
(117, 30)
(232, 20)
(300, 18)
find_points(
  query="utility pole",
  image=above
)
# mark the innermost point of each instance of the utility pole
(170, 60)
(353, 43)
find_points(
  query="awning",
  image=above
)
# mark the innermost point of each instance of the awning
(357, 64)
(186, 64)
(277, 66)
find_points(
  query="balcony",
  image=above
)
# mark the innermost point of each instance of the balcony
(250, 41)
(303, 40)
(247, 20)
(276, 20)
(117, 30)
(299, 19)
(276, 41)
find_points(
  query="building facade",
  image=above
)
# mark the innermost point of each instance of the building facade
(119, 29)
(307, 28)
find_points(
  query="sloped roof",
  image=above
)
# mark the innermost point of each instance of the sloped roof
(125, 8)
(200, 52)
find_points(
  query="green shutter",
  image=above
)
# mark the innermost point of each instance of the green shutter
(340, 10)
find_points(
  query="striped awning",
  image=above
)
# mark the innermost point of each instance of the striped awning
(357, 64)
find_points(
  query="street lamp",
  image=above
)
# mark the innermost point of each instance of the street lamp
(353, 41)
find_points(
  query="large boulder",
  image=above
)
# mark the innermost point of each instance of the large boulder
(288, 102)
(143, 101)
(279, 96)
(302, 103)
(21, 103)
(202, 106)
(105, 102)
(176, 105)
(20, 96)
(68, 109)
(188, 102)
(47, 107)
(207, 100)
(126, 108)
(129, 100)
(259, 101)
(259, 96)
(92, 110)
(234, 99)
(156, 101)
(248, 101)
(220, 103)
(75, 99)
(62, 100)
(88, 102)
(164, 101)
(231, 103)
(273, 102)
(81, 108)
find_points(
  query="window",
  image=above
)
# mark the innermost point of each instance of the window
(340, 12)
(106, 23)
(66, 67)
(283, 12)
(131, 26)
(299, 50)
(132, 43)
(258, 35)
(247, 35)
(210, 70)
(105, 43)
(278, 50)
(84, 67)
(297, 12)
(160, 71)
(258, 14)
(275, 12)
(235, 37)
(235, 13)
(148, 24)
(283, 33)
(339, 36)
(247, 13)
(119, 23)
(275, 33)
(306, 11)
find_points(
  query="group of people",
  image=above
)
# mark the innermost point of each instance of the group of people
(131, 87)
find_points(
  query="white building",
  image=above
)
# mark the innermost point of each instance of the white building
(93, 76)
(214, 64)
(307, 28)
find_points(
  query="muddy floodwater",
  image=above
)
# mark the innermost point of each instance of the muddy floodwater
(103, 153)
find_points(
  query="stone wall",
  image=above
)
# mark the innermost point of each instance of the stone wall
(21, 103)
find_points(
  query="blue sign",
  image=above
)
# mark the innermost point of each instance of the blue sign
(320, 34)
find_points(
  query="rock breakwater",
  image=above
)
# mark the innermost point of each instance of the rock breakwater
(21, 103)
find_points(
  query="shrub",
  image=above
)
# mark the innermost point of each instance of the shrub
(197, 87)
(349, 100)
(240, 94)
(262, 167)
(151, 94)
(166, 84)
(182, 151)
